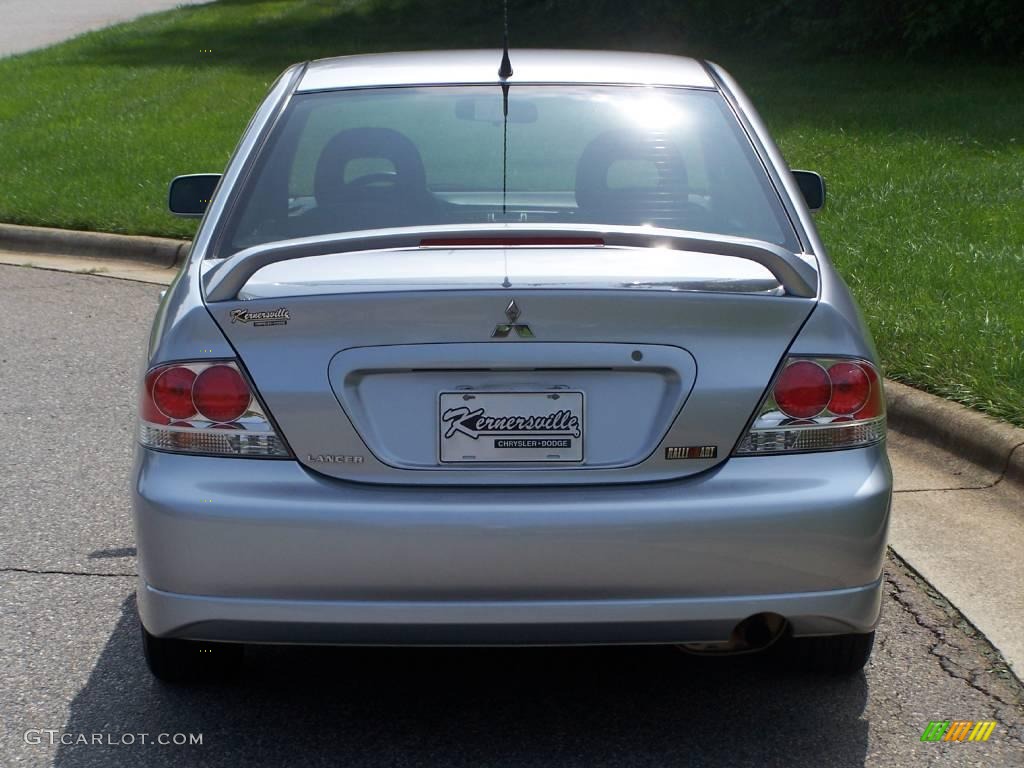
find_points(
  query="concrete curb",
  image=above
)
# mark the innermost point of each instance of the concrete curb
(158, 251)
(987, 442)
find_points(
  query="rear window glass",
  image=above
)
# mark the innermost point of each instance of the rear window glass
(352, 160)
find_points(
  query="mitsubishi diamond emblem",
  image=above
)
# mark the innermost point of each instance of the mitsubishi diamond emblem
(504, 330)
(512, 311)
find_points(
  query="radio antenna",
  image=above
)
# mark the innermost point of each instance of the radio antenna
(505, 70)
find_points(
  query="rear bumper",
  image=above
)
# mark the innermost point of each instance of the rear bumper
(267, 551)
(688, 620)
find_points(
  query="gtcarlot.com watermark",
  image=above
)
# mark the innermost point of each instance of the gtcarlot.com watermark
(52, 736)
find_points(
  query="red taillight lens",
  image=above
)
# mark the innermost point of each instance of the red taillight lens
(508, 241)
(850, 388)
(147, 408)
(172, 392)
(803, 390)
(221, 394)
(205, 407)
(875, 404)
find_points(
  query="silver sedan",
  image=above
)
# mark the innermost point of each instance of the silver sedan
(548, 355)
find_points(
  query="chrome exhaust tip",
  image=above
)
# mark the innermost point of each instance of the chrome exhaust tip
(752, 635)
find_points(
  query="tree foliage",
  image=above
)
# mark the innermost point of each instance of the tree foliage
(914, 26)
(911, 27)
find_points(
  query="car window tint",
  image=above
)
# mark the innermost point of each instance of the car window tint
(389, 157)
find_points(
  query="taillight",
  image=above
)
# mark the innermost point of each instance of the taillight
(220, 394)
(205, 408)
(803, 390)
(818, 404)
(851, 388)
(172, 392)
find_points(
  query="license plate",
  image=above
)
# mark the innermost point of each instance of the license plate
(506, 427)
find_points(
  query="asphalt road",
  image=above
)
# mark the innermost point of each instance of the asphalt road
(28, 24)
(70, 661)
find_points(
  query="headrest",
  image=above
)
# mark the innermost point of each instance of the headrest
(592, 190)
(360, 143)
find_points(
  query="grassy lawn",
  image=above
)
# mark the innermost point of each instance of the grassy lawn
(925, 163)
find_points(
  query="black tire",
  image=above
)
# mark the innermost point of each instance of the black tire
(179, 661)
(835, 655)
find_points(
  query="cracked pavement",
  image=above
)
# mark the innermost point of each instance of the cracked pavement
(945, 512)
(70, 658)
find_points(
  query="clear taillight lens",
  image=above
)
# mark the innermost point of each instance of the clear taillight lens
(205, 408)
(818, 404)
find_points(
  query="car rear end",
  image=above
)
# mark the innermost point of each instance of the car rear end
(622, 397)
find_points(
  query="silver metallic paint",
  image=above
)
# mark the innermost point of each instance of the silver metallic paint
(283, 536)
(225, 280)
(183, 328)
(286, 553)
(370, 381)
(774, 163)
(520, 622)
(737, 341)
(478, 67)
(639, 269)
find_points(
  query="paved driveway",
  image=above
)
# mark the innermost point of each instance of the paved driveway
(28, 24)
(70, 660)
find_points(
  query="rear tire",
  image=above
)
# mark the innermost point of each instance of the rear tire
(836, 655)
(178, 661)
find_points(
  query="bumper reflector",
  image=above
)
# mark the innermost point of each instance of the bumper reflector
(207, 441)
(825, 438)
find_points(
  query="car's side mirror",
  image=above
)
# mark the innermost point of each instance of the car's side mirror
(189, 195)
(812, 186)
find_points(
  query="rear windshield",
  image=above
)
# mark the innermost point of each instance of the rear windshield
(342, 161)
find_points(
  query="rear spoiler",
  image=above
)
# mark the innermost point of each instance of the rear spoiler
(797, 276)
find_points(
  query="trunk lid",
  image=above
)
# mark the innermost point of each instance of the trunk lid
(571, 365)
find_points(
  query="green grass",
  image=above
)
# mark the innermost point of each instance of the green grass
(925, 217)
(925, 163)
